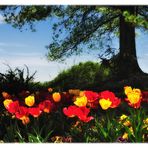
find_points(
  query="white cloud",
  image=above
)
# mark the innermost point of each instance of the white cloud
(9, 44)
(24, 55)
(21, 60)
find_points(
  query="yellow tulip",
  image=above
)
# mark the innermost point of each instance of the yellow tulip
(105, 104)
(127, 123)
(136, 90)
(127, 89)
(81, 101)
(145, 121)
(29, 101)
(81, 94)
(134, 97)
(123, 117)
(131, 130)
(145, 124)
(125, 136)
(7, 102)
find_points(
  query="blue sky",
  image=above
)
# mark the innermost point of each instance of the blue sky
(20, 48)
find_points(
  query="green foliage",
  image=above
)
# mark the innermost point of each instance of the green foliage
(81, 76)
(106, 127)
(18, 16)
(14, 81)
(39, 131)
(136, 20)
(136, 119)
(76, 25)
(92, 27)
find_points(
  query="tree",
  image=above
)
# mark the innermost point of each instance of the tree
(93, 27)
(78, 75)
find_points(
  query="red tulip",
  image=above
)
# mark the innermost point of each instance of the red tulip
(22, 114)
(13, 107)
(80, 112)
(35, 111)
(22, 111)
(108, 95)
(70, 111)
(145, 96)
(45, 106)
(92, 98)
(115, 102)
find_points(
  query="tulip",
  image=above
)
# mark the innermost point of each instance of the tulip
(35, 111)
(29, 101)
(56, 97)
(134, 97)
(108, 100)
(6, 95)
(45, 106)
(7, 103)
(80, 112)
(81, 101)
(105, 104)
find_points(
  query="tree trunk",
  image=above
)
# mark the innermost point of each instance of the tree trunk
(127, 62)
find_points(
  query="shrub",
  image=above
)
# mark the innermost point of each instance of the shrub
(14, 81)
(83, 76)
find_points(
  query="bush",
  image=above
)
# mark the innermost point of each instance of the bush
(14, 81)
(83, 76)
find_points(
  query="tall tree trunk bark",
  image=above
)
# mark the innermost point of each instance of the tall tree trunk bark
(127, 62)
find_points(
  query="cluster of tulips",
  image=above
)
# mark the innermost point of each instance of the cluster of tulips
(106, 99)
(80, 102)
(30, 104)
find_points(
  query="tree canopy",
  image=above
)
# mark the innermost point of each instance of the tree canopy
(78, 27)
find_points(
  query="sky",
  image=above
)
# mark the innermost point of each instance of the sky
(28, 48)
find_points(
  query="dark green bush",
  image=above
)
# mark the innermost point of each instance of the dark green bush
(86, 75)
(14, 81)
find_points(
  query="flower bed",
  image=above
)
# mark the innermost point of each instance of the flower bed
(75, 116)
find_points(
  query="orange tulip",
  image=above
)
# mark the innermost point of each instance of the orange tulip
(50, 89)
(6, 95)
(56, 97)
(25, 120)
